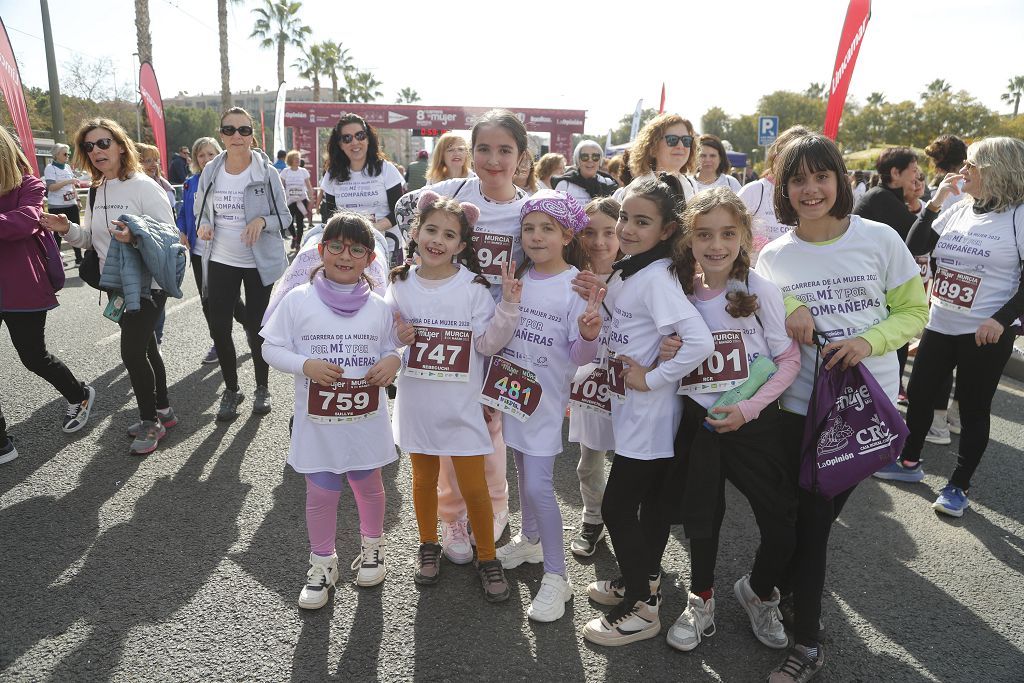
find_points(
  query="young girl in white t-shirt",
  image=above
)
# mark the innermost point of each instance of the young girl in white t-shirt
(747, 318)
(649, 304)
(339, 341)
(590, 417)
(529, 380)
(437, 411)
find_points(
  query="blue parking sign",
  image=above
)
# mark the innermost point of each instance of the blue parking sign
(767, 130)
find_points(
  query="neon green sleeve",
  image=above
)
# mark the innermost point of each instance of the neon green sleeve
(908, 314)
(792, 303)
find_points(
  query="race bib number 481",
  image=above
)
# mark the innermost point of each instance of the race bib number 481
(347, 400)
(440, 353)
(511, 389)
(954, 290)
(724, 369)
(493, 250)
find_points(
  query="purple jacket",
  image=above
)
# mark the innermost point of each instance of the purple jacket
(24, 285)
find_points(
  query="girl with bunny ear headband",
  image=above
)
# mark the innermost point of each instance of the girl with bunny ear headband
(461, 214)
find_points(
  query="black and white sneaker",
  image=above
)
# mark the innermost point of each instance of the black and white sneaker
(78, 413)
(229, 402)
(7, 451)
(585, 544)
(626, 623)
(261, 402)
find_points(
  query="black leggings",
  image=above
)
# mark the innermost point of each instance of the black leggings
(72, 213)
(28, 334)
(978, 373)
(224, 286)
(299, 216)
(197, 273)
(758, 467)
(142, 358)
(636, 523)
(815, 515)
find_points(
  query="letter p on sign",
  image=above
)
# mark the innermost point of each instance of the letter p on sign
(767, 130)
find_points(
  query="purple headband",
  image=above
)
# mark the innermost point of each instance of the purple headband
(560, 206)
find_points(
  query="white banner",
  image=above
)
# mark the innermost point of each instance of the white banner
(636, 121)
(279, 139)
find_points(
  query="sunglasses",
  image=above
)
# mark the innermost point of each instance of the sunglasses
(594, 156)
(673, 140)
(347, 137)
(103, 143)
(337, 247)
(228, 131)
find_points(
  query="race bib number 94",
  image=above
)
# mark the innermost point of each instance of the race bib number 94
(347, 400)
(954, 290)
(724, 369)
(493, 251)
(440, 353)
(511, 389)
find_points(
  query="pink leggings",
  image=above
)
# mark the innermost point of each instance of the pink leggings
(322, 492)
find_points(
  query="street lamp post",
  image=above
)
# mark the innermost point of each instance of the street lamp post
(57, 113)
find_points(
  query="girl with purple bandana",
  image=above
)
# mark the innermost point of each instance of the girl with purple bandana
(529, 380)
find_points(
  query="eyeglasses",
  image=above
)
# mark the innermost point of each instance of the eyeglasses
(347, 137)
(594, 156)
(102, 143)
(228, 131)
(337, 247)
(456, 150)
(673, 140)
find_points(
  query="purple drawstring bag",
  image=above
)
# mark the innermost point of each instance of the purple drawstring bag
(852, 430)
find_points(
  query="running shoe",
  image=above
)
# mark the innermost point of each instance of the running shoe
(455, 542)
(78, 413)
(229, 402)
(585, 544)
(492, 578)
(210, 357)
(765, 620)
(625, 624)
(520, 550)
(261, 402)
(428, 563)
(897, 471)
(148, 437)
(694, 624)
(549, 605)
(797, 667)
(320, 579)
(166, 416)
(952, 501)
(370, 562)
(7, 451)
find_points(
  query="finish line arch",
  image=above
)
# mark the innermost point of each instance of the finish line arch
(304, 118)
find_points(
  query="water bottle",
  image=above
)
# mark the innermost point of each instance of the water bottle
(761, 370)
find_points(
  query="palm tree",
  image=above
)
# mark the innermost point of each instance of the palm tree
(336, 58)
(225, 70)
(145, 40)
(936, 88)
(1014, 90)
(363, 87)
(311, 65)
(277, 24)
(876, 99)
(816, 91)
(407, 95)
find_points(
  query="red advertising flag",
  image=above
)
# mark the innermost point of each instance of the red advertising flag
(661, 109)
(857, 15)
(150, 91)
(10, 86)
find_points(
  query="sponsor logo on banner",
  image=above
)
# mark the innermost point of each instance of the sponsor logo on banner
(425, 116)
(395, 117)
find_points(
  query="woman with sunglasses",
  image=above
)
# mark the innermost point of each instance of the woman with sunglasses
(61, 182)
(664, 144)
(586, 181)
(713, 165)
(241, 207)
(359, 179)
(120, 186)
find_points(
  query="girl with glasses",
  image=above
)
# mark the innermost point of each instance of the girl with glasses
(242, 209)
(451, 159)
(338, 339)
(713, 166)
(586, 181)
(664, 145)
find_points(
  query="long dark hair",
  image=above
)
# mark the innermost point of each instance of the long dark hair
(467, 257)
(338, 164)
(352, 227)
(667, 196)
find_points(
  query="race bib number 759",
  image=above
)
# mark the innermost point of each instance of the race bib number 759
(347, 400)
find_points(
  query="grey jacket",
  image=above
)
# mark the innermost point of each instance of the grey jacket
(156, 255)
(264, 198)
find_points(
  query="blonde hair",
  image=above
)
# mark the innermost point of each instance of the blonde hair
(1001, 162)
(129, 154)
(547, 164)
(641, 156)
(14, 164)
(438, 171)
(294, 154)
(197, 147)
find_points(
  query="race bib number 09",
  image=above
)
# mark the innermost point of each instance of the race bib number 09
(493, 251)
(347, 400)
(440, 353)
(724, 369)
(511, 389)
(954, 290)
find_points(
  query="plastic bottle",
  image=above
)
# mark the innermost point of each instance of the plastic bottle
(761, 370)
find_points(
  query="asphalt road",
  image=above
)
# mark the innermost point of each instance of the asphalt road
(186, 564)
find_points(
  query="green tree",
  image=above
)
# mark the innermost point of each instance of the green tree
(407, 95)
(620, 134)
(363, 87)
(142, 34)
(337, 59)
(278, 25)
(311, 65)
(793, 108)
(876, 99)
(185, 125)
(1014, 90)
(715, 122)
(935, 88)
(816, 91)
(225, 68)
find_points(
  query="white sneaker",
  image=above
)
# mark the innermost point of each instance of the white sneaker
(500, 523)
(695, 623)
(625, 624)
(549, 605)
(520, 550)
(938, 435)
(614, 592)
(370, 562)
(953, 417)
(455, 542)
(765, 618)
(320, 579)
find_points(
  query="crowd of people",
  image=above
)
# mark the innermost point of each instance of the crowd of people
(506, 289)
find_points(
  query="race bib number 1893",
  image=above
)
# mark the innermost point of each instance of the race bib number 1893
(511, 389)
(954, 290)
(347, 400)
